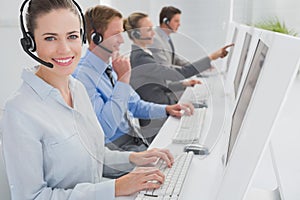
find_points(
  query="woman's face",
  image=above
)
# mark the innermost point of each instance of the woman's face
(58, 40)
(146, 30)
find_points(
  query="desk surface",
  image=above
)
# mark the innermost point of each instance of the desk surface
(204, 171)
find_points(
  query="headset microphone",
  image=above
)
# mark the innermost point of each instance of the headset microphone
(105, 49)
(47, 64)
(136, 34)
(146, 38)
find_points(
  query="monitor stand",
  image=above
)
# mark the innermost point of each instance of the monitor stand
(265, 184)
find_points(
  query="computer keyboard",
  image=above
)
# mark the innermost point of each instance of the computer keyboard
(189, 130)
(174, 179)
(199, 93)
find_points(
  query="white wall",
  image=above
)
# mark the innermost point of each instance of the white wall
(203, 21)
(253, 11)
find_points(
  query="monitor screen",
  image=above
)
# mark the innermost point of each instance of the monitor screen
(246, 93)
(231, 49)
(242, 61)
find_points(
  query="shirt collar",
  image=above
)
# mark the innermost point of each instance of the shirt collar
(41, 88)
(97, 63)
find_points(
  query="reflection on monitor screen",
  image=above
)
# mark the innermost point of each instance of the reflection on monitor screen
(231, 49)
(242, 61)
(246, 93)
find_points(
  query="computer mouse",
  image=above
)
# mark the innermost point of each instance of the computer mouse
(200, 105)
(196, 148)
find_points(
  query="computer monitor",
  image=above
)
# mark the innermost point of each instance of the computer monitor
(242, 61)
(231, 49)
(246, 93)
(275, 79)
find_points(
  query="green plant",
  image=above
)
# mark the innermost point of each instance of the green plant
(274, 24)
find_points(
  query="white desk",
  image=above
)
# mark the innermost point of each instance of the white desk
(204, 172)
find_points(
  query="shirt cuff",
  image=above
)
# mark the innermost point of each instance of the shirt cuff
(106, 189)
(159, 111)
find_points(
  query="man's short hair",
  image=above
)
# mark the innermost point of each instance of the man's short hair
(99, 17)
(168, 12)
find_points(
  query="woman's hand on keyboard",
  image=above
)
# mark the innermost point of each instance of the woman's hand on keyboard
(141, 178)
(150, 156)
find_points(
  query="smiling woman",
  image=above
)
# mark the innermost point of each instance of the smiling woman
(59, 44)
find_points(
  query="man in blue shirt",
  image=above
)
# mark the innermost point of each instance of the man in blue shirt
(106, 76)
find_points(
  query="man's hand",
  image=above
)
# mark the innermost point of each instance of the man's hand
(191, 82)
(122, 67)
(221, 53)
(178, 110)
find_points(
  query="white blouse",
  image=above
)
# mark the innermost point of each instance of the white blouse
(54, 151)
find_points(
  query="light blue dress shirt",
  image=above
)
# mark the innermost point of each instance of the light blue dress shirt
(111, 103)
(53, 151)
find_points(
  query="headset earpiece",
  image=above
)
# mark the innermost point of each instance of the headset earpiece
(166, 20)
(136, 34)
(28, 42)
(96, 38)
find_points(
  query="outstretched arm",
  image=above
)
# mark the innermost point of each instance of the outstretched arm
(220, 53)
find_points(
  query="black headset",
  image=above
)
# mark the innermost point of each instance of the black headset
(96, 37)
(135, 32)
(28, 43)
(166, 21)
